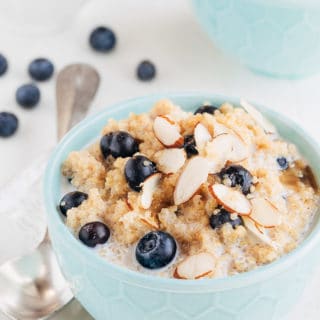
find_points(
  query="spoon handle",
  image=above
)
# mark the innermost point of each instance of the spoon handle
(76, 86)
(75, 89)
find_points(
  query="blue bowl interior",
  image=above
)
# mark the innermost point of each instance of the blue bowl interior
(89, 130)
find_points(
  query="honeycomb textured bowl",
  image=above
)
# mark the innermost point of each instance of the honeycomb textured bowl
(111, 292)
(280, 38)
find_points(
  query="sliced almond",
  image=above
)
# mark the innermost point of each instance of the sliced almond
(195, 267)
(148, 188)
(167, 131)
(129, 204)
(194, 174)
(264, 213)
(256, 231)
(239, 150)
(216, 153)
(201, 135)
(170, 160)
(150, 224)
(231, 199)
(258, 117)
(219, 128)
(226, 147)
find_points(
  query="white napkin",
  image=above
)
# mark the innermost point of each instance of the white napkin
(22, 212)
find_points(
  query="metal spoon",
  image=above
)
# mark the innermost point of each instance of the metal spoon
(32, 286)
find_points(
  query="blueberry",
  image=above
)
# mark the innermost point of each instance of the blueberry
(239, 176)
(283, 163)
(223, 216)
(156, 250)
(28, 96)
(8, 124)
(72, 200)
(189, 146)
(41, 69)
(206, 109)
(146, 70)
(102, 39)
(118, 144)
(94, 233)
(3, 64)
(138, 169)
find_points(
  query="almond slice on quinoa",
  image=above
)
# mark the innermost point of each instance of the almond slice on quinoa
(201, 135)
(151, 224)
(170, 160)
(231, 199)
(267, 126)
(264, 213)
(257, 232)
(239, 150)
(219, 128)
(193, 175)
(226, 147)
(167, 131)
(195, 267)
(149, 186)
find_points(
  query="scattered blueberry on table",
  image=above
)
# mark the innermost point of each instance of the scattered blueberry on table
(238, 176)
(8, 124)
(102, 39)
(118, 144)
(146, 70)
(72, 200)
(218, 219)
(28, 96)
(3, 64)
(156, 250)
(206, 109)
(94, 233)
(189, 146)
(283, 163)
(137, 170)
(41, 69)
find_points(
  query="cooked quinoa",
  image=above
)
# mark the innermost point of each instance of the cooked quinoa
(235, 249)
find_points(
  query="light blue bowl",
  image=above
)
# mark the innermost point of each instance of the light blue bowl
(111, 292)
(280, 38)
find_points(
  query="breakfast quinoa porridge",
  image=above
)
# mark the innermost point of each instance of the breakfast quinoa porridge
(190, 195)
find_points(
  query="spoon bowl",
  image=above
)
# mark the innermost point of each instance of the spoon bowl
(33, 287)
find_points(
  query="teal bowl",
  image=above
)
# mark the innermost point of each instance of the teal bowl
(279, 38)
(111, 292)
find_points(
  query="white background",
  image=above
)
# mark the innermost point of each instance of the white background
(164, 32)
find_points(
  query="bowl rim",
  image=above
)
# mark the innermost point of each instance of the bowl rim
(149, 281)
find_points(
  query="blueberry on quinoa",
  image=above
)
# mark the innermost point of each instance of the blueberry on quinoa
(283, 163)
(137, 170)
(94, 233)
(72, 200)
(156, 250)
(206, 109)
(223, 216)
(189, 146)
(118, 144)
(237, 176)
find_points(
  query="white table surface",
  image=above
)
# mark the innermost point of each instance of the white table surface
(166, 33)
